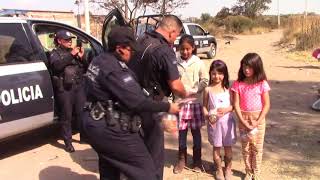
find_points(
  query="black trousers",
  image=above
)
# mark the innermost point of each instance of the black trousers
(119, 151)
(70, 103)
(154, 139)
(196, 135)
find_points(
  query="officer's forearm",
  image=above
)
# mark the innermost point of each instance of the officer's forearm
(177, 87)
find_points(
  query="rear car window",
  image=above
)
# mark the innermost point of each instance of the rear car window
(14, 44)
(195, 30)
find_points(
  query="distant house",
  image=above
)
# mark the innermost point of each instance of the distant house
(68, 17)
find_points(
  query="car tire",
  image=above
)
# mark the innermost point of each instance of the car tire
(212, 52)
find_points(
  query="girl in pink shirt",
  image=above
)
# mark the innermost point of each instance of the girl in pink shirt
(251, 104)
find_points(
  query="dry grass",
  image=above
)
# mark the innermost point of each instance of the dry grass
(304, 33)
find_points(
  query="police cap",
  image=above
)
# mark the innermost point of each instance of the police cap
(122, 35)
(63, 34)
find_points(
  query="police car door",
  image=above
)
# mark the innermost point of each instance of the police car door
(26, 95)
(114, 18)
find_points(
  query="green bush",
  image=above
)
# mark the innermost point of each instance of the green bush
(238, 24)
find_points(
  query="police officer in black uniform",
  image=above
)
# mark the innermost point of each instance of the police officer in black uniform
(68, 66)
(117, 103)
(156, 68)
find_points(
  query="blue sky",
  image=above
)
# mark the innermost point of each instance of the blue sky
(194, 9)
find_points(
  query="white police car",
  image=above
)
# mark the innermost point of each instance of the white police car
(206, 43)
(26, 94)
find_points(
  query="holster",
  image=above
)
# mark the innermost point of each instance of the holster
(125, 121)
(58, 83)
(97, 111)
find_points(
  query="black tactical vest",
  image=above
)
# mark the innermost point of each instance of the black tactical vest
(144, 65)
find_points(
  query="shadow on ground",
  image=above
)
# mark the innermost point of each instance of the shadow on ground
(29, 141)
(300, 67)
(292, 141)
(87, 159)
(56, 172)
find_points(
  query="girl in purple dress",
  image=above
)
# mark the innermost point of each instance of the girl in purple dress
(217, 109)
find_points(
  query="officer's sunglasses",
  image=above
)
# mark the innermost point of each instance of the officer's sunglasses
(128, 48)
(67, 40)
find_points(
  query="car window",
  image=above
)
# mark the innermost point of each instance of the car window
(46, 34)
(142, 28)
(14, 46)
(196, 30)
(47, 41)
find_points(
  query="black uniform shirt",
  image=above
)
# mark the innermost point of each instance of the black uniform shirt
(157, 63)
(109, 78)
(61, 58)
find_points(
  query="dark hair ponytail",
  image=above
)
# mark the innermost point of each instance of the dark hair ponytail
(188, 39)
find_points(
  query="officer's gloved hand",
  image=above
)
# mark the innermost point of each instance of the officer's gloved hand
(77, 51)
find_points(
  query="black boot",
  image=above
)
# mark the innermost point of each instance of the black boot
(68, 147)
(182, 160)
(197, 162)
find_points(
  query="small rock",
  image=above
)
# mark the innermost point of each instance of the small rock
(283, 112)
(270, 141)
(273, 124)
(56, 157)
(294, 144)
(314, 87)
(296, 113)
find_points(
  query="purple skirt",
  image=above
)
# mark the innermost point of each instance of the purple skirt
(223, 132)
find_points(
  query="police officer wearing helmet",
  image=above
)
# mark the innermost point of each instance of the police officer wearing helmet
(68, 66)
(156, 68)
(117, 103)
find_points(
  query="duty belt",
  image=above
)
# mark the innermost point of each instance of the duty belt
(112, 117)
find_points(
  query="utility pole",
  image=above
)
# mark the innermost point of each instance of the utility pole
(163, 7)
(306, 9)
(87, 15)
(77, 2)
(278, 15)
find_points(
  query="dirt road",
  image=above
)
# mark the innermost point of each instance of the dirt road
(292, 143)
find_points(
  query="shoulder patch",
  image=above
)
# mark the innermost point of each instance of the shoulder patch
(127, 79)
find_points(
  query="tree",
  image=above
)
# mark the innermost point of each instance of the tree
(127, 7)
(167, 6)
(223, 13)
(251, 8)
(205, 17)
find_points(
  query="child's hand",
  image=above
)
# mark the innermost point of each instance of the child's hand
(248, 126)
(254, 123)
(221, 111)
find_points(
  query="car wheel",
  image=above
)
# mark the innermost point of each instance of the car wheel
(212, 52)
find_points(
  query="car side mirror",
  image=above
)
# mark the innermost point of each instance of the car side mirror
(206, 33)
